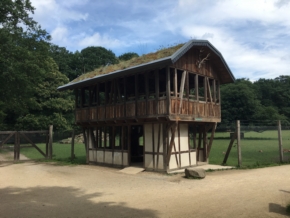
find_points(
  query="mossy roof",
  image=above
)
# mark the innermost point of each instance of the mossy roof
(162, 57)
(122, 65)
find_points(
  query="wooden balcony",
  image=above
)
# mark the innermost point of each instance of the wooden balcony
(189, 110)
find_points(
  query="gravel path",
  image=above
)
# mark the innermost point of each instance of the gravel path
(46, 190)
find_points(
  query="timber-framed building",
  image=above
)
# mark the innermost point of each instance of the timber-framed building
(157, 111)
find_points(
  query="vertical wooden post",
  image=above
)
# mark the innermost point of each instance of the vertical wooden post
(50, 142)
(15, 145)
(18, 146)
(73, 145)
(280, 141)
(168, 94)
(46, 145)
(86, 144)
(239, 144)
(156, 73)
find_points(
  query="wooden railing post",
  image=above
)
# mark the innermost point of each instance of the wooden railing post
(239, 144)
(280, 141)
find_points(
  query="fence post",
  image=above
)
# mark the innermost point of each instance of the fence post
(280, 141)
(15, 146)
(239, 144)
(50, 142)
(73, 145)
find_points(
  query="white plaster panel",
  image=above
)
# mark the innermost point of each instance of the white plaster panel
(149, 161)
(183, 136)
(100, 156)
(185, 160)
(193, 157)
(125, 159)
(160, 162)
(118, 158)
(148, 137)
(108, 157)
(156, 135)
(172, 163)
(91, 155)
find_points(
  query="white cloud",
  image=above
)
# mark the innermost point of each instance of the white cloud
(253, 36)
(100, 40)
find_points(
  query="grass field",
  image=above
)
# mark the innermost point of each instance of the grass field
(61, 153)
(258, 149)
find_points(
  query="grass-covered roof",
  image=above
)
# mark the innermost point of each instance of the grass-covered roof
(161, 53)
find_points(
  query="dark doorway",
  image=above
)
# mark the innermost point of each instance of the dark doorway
(137, 143)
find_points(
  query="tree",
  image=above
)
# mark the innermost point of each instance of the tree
(24, 63)
(49, 106)
(127, 56)
(94, 57)
(239, 101)
(64, 59)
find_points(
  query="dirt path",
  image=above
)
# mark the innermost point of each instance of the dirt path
(8, 155)
(46, 190)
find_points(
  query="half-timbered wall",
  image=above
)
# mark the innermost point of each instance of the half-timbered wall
(182, 155)
(154, 146)
(108, 145)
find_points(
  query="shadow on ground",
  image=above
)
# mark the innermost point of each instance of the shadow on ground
(62, 202)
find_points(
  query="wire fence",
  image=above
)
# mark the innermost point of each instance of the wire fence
(259, 143)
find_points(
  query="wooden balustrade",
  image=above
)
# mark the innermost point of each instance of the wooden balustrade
(148, 108)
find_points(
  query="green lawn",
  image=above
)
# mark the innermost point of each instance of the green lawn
(61, 153)
(258, 149)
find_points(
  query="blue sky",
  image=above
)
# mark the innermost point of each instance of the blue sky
(252, 35)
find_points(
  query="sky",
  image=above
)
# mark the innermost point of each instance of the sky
(252, 35)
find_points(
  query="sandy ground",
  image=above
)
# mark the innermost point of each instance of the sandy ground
(46, 190)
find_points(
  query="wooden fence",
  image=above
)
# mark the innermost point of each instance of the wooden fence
(18, 135)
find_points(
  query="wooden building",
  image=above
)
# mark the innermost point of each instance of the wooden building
(159, 110)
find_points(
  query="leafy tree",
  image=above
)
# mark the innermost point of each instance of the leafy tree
(94, 57)
(239, 101)
(64, 59)
(127, 56)
(24, 63)
(49, 106)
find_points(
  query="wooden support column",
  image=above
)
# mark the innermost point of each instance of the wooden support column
(205, 88)
(239, 144)
(280, 141)
(146, 91)
(196, 87)
(175, 91)
(187, 91)
(156, 74)
(165, 145)
(86, 144)
(181, 91)
(210, 97)
(153, 146)
(168, 98)
(125, 95)
(214, 91)
(204, 144)
(136, 95)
